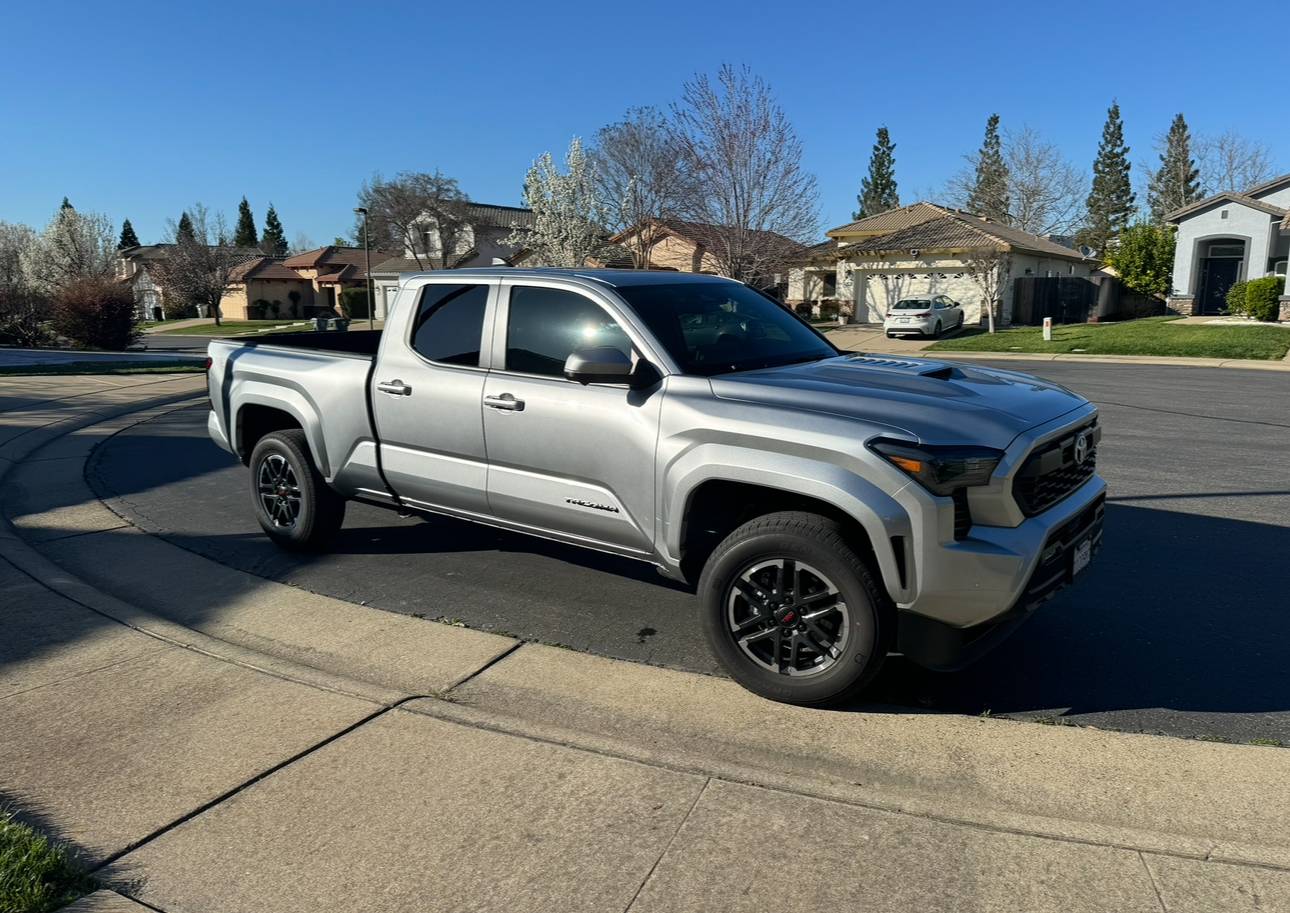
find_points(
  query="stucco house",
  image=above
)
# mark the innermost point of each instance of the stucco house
(331, 269)
(136, 267)
(688, 247)
(924, 249)
(1226, 238)
(264, 288)
(481, 242)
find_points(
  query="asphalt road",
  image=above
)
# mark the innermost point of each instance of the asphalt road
(1181, 626)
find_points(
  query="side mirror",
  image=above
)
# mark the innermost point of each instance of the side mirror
(598, 365)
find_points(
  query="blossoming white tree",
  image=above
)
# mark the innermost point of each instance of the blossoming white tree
(74, 245)
(568, 216)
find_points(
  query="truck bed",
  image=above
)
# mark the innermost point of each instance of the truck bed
(357, 342)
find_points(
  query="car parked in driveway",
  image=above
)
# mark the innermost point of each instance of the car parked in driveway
(923, 316)
(828, 507)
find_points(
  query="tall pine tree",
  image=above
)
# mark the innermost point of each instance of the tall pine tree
(1110, 201)
(128, 237)
(878, 191)
(274, 240)
(1177, 182)
(244, 235)
(989, 196)
(184, 231)
(67, 204)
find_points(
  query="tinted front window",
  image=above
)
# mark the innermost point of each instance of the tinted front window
(450, 323)
(545, 325)
(717, 327)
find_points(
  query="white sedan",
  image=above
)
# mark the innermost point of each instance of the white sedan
(925, 316)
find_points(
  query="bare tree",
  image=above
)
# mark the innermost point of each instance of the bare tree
(740, 173)
(636, 178)
(197, 270)
(301, 243)
(73, 246)
(1045, 191)
(423, 214)
(1231, 162)
(989, 270)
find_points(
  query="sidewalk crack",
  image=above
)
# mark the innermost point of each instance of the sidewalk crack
(1151, 876)
(650, 874)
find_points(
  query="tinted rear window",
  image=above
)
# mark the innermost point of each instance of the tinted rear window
(450, 323)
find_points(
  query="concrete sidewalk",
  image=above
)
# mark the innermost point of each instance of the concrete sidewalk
(213, 741)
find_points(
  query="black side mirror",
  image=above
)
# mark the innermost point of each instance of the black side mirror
(598, 365)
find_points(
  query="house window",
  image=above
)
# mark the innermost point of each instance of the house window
(1227, 250)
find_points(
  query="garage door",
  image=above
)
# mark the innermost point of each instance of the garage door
(876, 292)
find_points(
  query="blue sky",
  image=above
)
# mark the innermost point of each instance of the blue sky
(136, 110)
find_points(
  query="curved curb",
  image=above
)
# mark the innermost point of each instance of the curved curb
(1208, 801)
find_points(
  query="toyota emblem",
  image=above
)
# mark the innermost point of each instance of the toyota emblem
(1081, 448)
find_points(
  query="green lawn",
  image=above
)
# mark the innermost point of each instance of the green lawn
(241, 328)
(36, 874)
(1149, 336)
(105, 367)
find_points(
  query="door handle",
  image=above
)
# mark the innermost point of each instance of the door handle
(394, 388)
(506, 402)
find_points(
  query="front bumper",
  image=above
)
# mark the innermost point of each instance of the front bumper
(938, 644)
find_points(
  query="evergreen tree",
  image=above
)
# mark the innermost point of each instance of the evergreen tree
(1177, 182)
(67, 204)
(128, 237)
(990, 191)
(1111, 200)
(184, 232)
(878, 191)
(244, 234)
(274, 240)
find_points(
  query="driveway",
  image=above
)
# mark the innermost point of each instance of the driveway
(1179, 626)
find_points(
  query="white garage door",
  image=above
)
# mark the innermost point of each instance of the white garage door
(880, 290)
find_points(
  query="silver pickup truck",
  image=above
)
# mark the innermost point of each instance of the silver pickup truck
(828, 507)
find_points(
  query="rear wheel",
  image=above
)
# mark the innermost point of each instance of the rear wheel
(792, 612)
(294, 505)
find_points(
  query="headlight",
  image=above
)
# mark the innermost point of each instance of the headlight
(941, 470)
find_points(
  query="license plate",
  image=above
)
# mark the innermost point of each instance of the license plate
(1083, 554)
(906, 319)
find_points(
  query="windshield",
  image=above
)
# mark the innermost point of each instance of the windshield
(718, 327)
(913, 304)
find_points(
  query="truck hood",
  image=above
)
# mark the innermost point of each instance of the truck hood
(937, 402)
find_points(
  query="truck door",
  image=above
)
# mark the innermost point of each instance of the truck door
(572, 459)
(426, 397)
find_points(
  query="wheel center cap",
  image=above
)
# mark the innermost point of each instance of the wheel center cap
(786, 615)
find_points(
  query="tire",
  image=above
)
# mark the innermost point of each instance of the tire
(749, 636)
(936, 330)
(294, 505)
(891, 335)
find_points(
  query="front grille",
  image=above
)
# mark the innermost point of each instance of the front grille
(1054, 569)
(1051, 473)
(962, 514)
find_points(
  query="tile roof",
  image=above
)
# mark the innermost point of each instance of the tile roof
(709, 236)
(892, 219)
(1227, 196)
(334, 259)
(1276, 183)
(262, 268)
(959, 230)
(487, 214)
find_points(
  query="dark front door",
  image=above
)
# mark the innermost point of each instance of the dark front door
(1217, 276)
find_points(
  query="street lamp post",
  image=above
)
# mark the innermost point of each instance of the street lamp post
(367, 259)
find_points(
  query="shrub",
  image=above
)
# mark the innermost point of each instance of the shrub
(1236, 298)
(96, 314)
(1261, 297)
(24, 316)
(1144, 258)
(353, 303)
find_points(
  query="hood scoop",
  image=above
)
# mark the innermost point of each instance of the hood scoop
(921, 368)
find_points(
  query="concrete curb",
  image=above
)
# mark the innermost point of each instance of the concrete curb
(1244, 364)
(1148, 793)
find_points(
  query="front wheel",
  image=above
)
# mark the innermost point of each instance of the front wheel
(792, 612)
(293, 503)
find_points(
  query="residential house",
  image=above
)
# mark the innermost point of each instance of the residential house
(1226, 238)
(924, 249)
(136, 267)
(482, 242)
(691, 247)
(330, 270)
(265, 288)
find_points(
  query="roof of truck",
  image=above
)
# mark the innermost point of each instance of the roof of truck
(612, 277)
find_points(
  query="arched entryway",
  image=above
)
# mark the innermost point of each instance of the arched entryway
(1221, 264)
